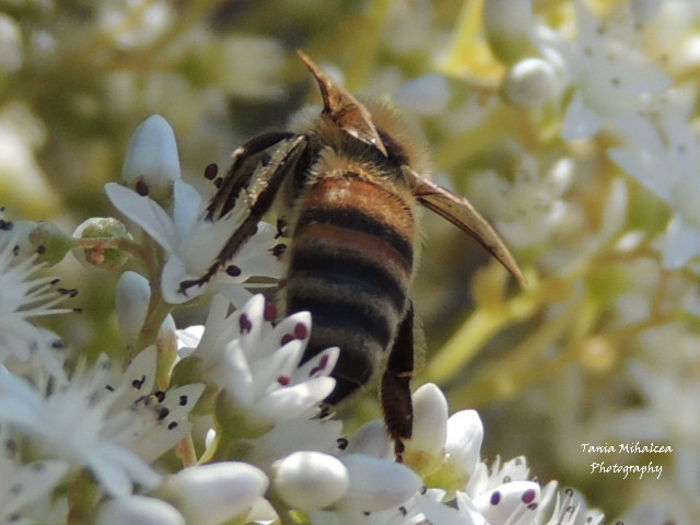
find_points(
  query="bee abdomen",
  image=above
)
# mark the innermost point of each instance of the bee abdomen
(350, 266)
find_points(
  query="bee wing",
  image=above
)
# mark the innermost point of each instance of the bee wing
(250, 162)
(460, 212)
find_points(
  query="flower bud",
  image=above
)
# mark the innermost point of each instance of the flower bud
(425, 449)
(152, 164)
(132, 298)
(508, 25)
(107, 230)
(217, 492)
(138, 509)
(532, 82)
(309, 481)
(465, 432)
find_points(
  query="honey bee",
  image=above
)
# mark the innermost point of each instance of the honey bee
(348, 184)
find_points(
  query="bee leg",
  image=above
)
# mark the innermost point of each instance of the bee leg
(395, 387)
(265, 182)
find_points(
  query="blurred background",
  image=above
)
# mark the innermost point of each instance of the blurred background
(602, 348)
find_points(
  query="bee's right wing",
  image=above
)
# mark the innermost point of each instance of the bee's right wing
(250, 161)
(460, 212)
(258, 170)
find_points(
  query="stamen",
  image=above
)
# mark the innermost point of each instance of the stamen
(270, 312)
(142, 188)
(211, 171)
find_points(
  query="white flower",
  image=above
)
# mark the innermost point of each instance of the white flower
(425, 95)
(426, 448)
(24, 485)
(655, 422)
(465, 433)
(216, 493)
(611, 77)
(377, 484)
(134, 24)
(138, 509)
(665, 158)
(192, 242)
(310, 480)
(132, 299)
(112, 423)
(528, 210)
(24, 297)
(152, 164)
(257, 364)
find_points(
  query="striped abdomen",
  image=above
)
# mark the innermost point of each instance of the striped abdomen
(350, 265)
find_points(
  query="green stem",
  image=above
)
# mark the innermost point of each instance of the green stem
(82, 499)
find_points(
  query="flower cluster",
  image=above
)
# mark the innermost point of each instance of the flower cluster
(136, 390)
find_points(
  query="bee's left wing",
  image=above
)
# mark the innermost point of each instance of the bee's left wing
(460, 212)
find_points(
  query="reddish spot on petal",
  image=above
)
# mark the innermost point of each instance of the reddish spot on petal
(301, 331)
(495, 498)
(284, 380)
(244, 324)
(528, 496)
(286, 338)
(270, 312)
(323, 362)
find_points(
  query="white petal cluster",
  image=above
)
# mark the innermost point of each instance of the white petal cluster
(256, 363)
(610, 77)
(112, 423)
(529, 209)
(191, 242)
(664, 156)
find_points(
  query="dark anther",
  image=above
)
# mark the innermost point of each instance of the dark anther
(163, 413)
(281, 228)
(183, 401)
(6, 225)
(142, 188)
(211, 171)
(342, 443)
(160, 396)
(270, 312)
(138, 383)
(172, 425)
(233, 270)
(278, 250)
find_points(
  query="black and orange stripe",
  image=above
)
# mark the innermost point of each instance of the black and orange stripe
(350, 265)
